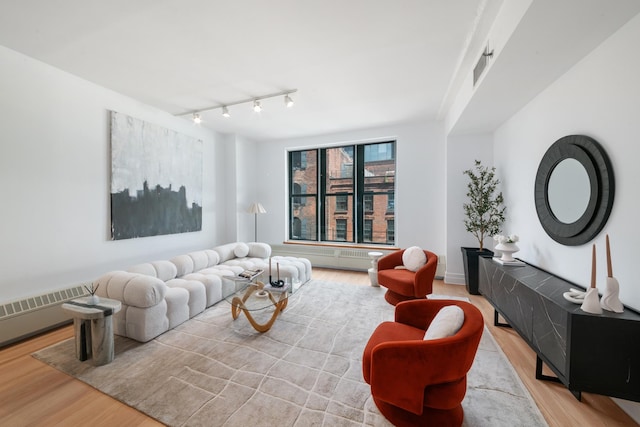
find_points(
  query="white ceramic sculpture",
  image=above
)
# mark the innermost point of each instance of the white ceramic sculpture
(591, 302)
(611, 296)
(507, 246)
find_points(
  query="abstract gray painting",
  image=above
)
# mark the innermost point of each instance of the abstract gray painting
(156, 180)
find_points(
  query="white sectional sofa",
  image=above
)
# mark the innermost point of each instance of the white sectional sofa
(160, 295)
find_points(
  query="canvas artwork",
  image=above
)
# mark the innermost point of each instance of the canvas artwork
(156, 180)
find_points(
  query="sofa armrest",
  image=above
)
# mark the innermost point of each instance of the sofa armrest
(133, 289)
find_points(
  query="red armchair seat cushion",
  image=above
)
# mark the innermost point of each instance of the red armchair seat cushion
(402, 281)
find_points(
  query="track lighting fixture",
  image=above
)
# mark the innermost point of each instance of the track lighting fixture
(288, 101)
(257, 105)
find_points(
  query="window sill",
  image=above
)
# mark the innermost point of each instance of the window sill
(342, 245)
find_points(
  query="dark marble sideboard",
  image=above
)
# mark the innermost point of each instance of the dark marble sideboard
(592, 353)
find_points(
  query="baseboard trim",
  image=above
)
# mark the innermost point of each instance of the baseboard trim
(454, 278)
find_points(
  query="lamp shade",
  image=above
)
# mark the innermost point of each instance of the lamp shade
(257, 208)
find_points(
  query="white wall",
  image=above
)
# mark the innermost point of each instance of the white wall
(462, 152)
(599, 97)
(420, 181)
(248, 175)
(55, 171)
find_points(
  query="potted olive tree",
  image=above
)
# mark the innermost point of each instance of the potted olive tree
(484, 215)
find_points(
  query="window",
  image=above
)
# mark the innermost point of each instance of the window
(332, 189)
(303, 193)
(368, 230)
(368, 203)
(390, 231)
(379, 152)
(297, 189)
(296, 227)
(299, 160)
(341, 229)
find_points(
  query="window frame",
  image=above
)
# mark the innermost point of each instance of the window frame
(363, 203)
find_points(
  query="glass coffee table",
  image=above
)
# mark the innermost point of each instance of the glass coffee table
(251, 295)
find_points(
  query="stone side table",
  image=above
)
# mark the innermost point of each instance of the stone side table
(93, 325)
(373, 271)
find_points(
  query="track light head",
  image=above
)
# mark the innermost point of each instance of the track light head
(196, 118)
(288, 101)
(256, 106)
(225, 112)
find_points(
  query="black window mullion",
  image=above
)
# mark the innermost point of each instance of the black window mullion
(358, 199)
(292, 156)
(322, 193)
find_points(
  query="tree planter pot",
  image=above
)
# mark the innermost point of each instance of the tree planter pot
(470, 259)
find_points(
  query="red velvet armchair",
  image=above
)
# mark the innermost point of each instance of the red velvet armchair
(416, 382)
(403, 284)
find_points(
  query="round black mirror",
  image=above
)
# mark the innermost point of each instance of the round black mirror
(574, 190)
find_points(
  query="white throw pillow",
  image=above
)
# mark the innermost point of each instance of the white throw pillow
(447, 322)
(241, 250)
(259, 250)
(413, 258)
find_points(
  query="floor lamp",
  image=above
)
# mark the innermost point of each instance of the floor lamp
(256, 208)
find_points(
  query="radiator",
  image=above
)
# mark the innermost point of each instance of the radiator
(340, 258)
(29, 316)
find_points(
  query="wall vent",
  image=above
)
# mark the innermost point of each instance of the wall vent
(481, 65)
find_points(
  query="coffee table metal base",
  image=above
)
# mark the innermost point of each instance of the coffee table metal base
(237, 305)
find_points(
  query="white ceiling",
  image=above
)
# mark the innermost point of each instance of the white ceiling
(356, 64)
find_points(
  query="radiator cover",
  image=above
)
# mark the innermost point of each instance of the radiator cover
(32, 315)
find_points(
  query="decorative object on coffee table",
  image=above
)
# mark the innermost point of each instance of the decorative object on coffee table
(610, 297)
(275, 283)
(591, 302)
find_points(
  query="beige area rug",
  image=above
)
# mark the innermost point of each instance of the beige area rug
(305, 371)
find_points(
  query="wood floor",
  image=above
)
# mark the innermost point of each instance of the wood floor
(34, 394)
